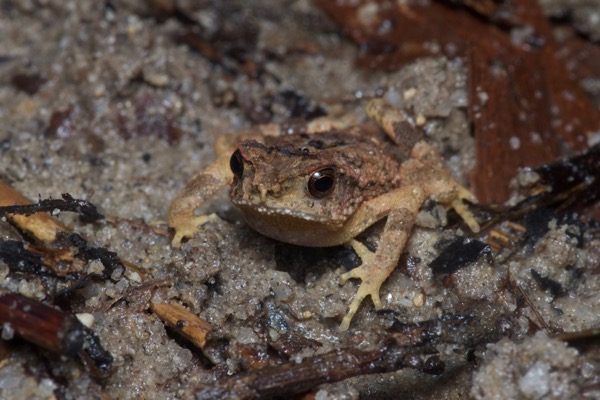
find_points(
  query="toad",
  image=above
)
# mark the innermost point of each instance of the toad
(326, 185)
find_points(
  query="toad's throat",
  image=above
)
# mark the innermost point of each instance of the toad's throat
(287, 227)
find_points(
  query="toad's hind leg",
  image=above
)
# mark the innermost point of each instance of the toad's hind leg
(376, 268)
(428, 167)
(398, 126)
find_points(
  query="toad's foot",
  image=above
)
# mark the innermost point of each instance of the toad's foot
(191, 226)
(453, 197)
(371, 279)
(461, 208)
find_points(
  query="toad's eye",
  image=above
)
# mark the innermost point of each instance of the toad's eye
(236, 163)
(322, 182)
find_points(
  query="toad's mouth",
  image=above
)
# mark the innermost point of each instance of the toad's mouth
(275, 210)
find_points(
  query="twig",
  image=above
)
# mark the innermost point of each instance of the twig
(41, 225)
(184, 322)
(290, 378)
(88, 211)
(54, 330)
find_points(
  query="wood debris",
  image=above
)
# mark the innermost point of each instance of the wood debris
(39, 224)
(182, 321)
(525, 106)
(53, 330)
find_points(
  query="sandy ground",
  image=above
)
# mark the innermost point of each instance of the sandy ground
(118, 110)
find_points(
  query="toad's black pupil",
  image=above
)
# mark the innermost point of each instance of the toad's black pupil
(323, 183)
(237, 164)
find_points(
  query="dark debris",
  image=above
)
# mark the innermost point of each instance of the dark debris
(18, 258)
(459, 253)
(549, 284)
(577, 178)
(61, 123)
(109, 259)
(565, 187)
(95, 356)
(87, 210)
(299, 106)
(28, 83)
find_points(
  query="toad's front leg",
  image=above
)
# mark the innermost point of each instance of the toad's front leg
(203, 186)
(376, 268)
